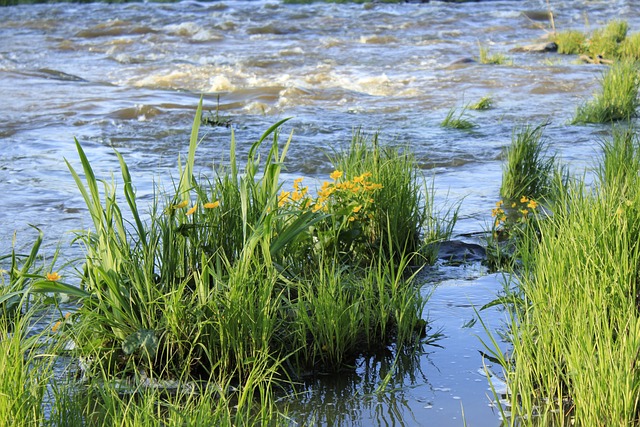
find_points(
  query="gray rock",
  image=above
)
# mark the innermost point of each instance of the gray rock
(537, 48)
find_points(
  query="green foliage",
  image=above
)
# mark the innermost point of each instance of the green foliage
(570, 42)
(236, 267)
(574, 330)
(609, 43)
(630, 47)
(528, 170)
(485, 103)
(24, 374)
(457, 122)
(618, 99)
(605, 42)
(485, 57)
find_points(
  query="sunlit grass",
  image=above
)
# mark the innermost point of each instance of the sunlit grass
(486, 57)
(528, 168)
(484, 103)
(575, 324)
(617, 99)
(457, 121)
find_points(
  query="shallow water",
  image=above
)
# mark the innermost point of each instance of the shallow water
(129, 77)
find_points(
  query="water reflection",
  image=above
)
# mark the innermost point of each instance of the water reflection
(375, 392)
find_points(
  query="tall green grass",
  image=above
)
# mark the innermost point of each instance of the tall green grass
(224, 289)
(575, 329)
(239, 283)
(528, 169)
(618, 98)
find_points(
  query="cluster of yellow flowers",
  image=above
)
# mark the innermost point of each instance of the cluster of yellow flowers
(298, 194)
(355, 192)
(183, 204)
(526, 206)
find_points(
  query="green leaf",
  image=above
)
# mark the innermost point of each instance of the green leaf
(45, 286)
(144, 339)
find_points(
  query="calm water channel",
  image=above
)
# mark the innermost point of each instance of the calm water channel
(129, 77)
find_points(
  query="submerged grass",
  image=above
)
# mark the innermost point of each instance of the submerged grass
(486, 57)
(458, 121)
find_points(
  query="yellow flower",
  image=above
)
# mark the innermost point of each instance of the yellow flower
(53, 276)
(181, 205)
(532, 204)
(513, 205)
(335, 175)
(192, 210)
(296, 183)
(212, 205)
(524, 199)
(357, 209)
(499, 203)
(352, 218)
(524, 212)
(57, 325)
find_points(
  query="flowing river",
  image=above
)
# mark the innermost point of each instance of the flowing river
(129, 77)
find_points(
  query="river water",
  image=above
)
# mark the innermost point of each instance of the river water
(129, 76)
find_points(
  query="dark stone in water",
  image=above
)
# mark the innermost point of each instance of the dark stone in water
(459, 63)
(537, 48)
(537, 15)
(459, 252)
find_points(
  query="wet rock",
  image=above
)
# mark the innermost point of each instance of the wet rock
(459, 252)
(537, 15)
(537, 48)
(459, 63)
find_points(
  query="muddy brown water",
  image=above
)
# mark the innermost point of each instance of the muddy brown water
(129, 76)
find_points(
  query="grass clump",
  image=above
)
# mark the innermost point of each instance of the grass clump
(604, 45)
(575, 313)
(618, 99)
(528, 169)
(570, 42)
(484, 103)
(605, 42)
(238, 285)
(454, 121)
(486, 57)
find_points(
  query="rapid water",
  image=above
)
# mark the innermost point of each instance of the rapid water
(129, 76)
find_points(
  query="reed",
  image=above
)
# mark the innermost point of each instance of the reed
(24, 372)
(605, 42)
(229, 272)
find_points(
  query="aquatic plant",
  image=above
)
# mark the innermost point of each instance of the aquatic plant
(484, 103)
(238, 267)
(605, 42)
(528, 169)
(618, 98)
(485, 57)
(575, 318)
(570, 42)
(457, 122)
